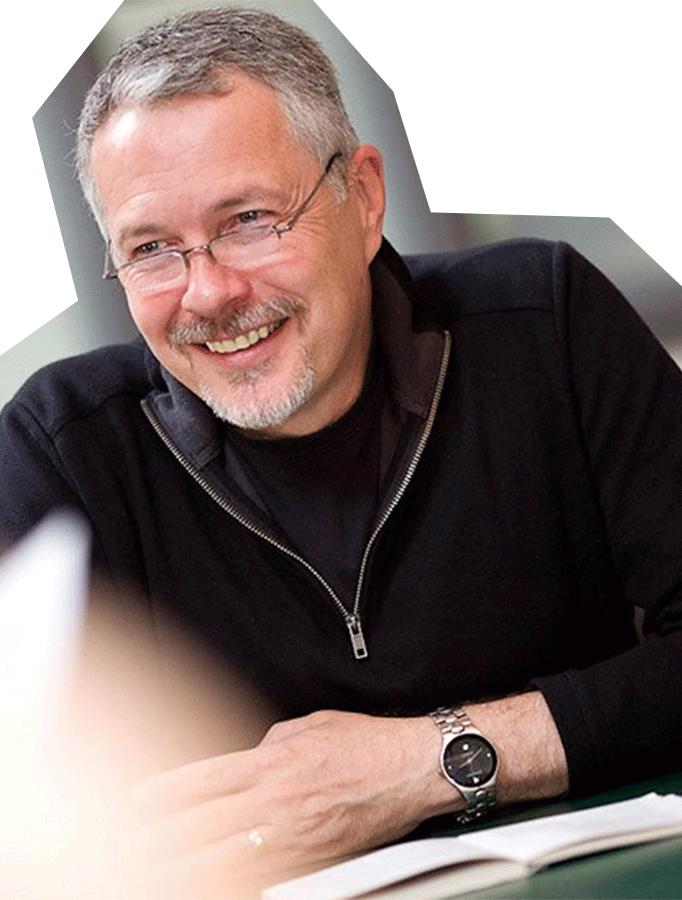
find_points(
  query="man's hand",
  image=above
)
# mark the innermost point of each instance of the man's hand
(320, 788)
(316, 789)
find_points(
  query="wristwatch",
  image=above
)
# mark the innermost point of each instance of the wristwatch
(468, 760)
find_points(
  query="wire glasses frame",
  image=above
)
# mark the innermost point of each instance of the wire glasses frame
(218, 248)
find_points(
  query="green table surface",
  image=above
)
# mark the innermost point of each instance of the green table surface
(651, 871)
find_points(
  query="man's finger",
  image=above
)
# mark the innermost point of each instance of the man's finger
(211, 822)
(236, 868)
(196, 783)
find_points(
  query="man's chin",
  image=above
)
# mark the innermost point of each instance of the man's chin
(249, 410)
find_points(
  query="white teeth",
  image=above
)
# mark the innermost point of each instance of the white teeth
(242, 341)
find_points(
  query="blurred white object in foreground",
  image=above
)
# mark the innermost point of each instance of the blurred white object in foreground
(97, 694)
(43, 587)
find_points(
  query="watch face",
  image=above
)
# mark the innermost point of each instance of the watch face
(469, 760)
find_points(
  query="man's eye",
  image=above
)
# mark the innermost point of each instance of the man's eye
(251, 218)
(149, 248)
(246, 218)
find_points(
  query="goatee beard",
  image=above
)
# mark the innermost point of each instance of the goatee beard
(252, 408)
(260, 413)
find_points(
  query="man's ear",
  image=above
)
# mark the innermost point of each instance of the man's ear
(366, 179)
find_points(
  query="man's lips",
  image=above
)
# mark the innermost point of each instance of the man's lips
(245, 340)
(240, 331)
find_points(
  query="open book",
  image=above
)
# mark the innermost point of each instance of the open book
(442, 867)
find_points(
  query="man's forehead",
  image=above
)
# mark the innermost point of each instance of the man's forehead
(122, 126)
(246, 119)
(240, 100)
(218, 150)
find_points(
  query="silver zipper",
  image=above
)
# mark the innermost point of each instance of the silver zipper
(189, 466)
(352, 619)
(410, 470)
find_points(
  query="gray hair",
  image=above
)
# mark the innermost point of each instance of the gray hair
(191, 53)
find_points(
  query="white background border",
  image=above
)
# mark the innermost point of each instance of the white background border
(534, 108)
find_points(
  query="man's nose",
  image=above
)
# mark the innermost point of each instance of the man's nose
(212, 286)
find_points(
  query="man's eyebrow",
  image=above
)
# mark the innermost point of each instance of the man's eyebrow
(134, 232)
(248, 197)
(245, 198)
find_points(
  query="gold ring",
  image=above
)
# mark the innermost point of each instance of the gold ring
(255, 838)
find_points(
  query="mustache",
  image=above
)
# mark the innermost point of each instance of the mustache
(238, 321)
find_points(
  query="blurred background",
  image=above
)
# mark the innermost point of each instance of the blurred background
(100, 317)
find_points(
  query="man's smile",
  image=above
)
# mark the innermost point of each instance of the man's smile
(245, 340)
(245, 329)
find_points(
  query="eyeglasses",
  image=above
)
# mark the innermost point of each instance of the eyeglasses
(250, 243)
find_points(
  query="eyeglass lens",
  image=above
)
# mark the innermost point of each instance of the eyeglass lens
(241, 249)
(248, 245)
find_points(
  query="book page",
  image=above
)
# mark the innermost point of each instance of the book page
(442, 867)
(444, 883)
(551, 839)
(377, 869)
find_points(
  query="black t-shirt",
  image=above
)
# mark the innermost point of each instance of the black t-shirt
(322, 489)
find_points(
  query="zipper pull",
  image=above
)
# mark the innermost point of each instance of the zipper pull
(357, 638)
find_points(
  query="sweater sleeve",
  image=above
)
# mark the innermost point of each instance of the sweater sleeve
(33, 480)
(621, 719)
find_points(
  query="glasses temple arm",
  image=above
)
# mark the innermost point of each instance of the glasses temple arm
(306, 202)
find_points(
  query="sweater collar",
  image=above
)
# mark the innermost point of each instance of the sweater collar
(412, 354)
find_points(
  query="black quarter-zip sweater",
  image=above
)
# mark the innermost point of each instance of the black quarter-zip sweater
(532, 497)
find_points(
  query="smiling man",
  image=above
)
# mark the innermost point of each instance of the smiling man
(384, 490)
(276, 338)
